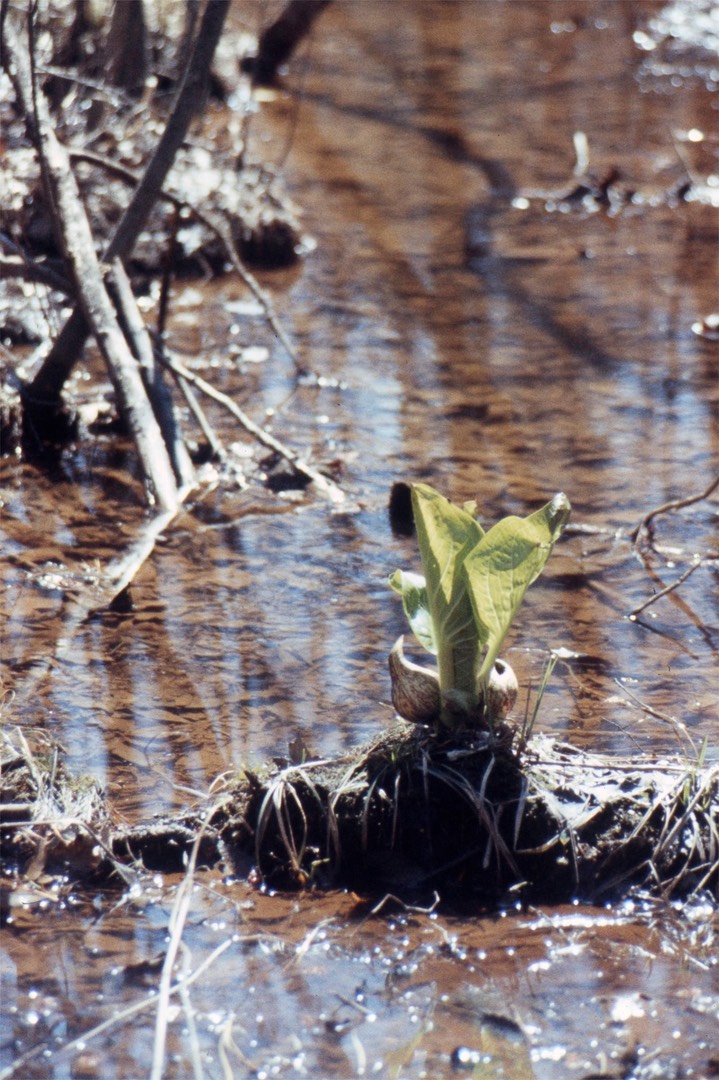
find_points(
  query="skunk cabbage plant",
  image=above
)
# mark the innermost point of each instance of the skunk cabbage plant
(463, 606)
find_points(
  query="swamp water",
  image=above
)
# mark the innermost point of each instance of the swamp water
(476, 324)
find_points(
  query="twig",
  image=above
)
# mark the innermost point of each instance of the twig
(680, 728)
(322, 483)
(213, 441)
(168, 267)
(669, 588)
(414, 908)
(15, 266)
(675, 504)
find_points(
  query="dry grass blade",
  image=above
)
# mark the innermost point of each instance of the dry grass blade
(368, 799)
(124, 1015)
(529, 722)
(53, 817)
(263, 819)
(681, 820)
(519, 812)
(280, 796)
(189, 1012)
(227, 1045)
(178, 917)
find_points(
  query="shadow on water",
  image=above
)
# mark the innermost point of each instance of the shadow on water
(475, 328)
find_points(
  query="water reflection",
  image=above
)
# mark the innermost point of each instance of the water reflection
(336, 991)
(498, 352)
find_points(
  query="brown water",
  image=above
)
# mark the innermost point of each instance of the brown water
(501, 346)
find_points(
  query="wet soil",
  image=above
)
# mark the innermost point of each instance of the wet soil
(473, 327)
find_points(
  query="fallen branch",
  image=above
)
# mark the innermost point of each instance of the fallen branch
(49, 380)
(139, 340)
(669, 589)
(97, 310)
(221, 229)
(119, 574)
(322, 483)
(675, 504)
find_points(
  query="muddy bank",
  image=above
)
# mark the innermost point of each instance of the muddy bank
(413, 813)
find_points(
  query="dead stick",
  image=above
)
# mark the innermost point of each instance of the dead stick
(98, 312)
(676, 504)
(186, 390)
(122, 571)
(322, 483)
(213, 441)
(138, 338)
(670, 588)
(279, 40)
(220, 229)
(55, 369)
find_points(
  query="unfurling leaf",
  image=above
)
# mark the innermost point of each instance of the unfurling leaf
(413, 590)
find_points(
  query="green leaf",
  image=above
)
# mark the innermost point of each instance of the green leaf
(413, 590)
(502, 566)
(446, 535)
(474, 583)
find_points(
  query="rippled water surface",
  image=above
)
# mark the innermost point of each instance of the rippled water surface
(471, 324)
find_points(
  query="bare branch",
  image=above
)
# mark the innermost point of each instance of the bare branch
(97, 311)
(322, 483)
(216, 225)
(675, 504)
(51, 377)
(139, 341)
(670, 588)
